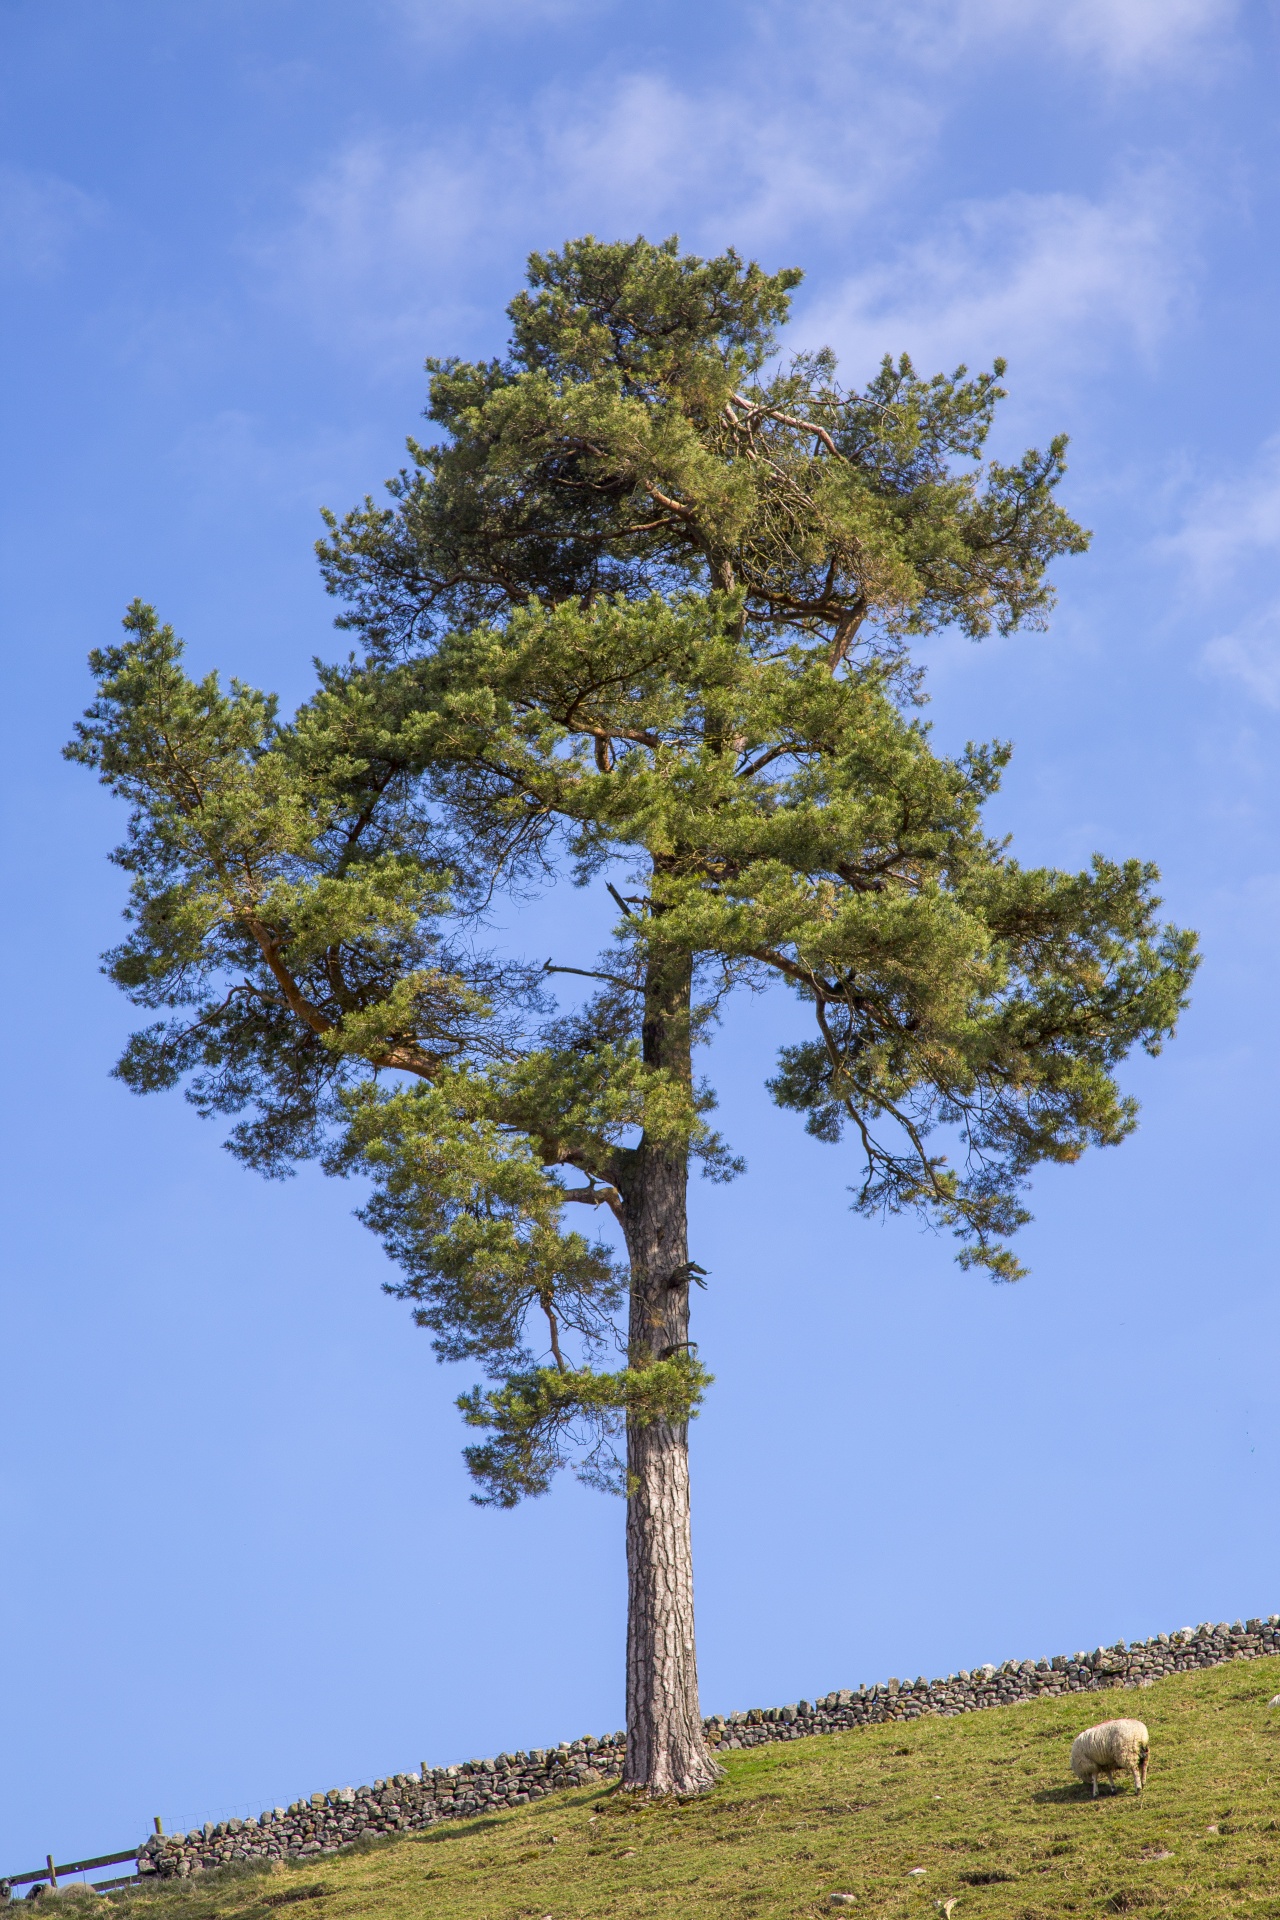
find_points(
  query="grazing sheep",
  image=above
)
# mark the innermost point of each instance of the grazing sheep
(1115, 1746)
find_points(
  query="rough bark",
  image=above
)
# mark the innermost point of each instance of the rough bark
(666, 1752)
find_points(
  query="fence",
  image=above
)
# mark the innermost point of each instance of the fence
(50, 1873)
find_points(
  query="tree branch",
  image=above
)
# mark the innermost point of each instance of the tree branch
(783, 420)
(846, 629)
(665, 500)
(621, 902)
(296, 1001)
(586, 973)
(598, 1195)
(762, 760)
(769, 957)
(555, 1332)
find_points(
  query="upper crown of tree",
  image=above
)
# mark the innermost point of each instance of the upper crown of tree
(638, 438)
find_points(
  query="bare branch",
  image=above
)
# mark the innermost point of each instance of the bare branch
(598, 1195)
(784, 420)
(586, 973)
(555, 1331)
(672, 506)
(763, 760)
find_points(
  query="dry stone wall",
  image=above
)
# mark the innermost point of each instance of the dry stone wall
(405, 1802)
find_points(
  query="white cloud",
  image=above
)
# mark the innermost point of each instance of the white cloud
(1232, 520)
(815, 123)
(393, 237)
(1129, 37)
(1130, 40)
(1228, 543)
(1048, 280)
(40, 217)
(1250, 655)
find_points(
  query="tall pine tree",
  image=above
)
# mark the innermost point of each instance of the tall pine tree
(642, 613)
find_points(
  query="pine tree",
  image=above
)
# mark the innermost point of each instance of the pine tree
(641, 613)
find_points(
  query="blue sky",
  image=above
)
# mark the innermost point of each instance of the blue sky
(241, 1562)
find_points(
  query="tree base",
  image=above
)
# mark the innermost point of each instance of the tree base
(643, 1792)
(693, 1783)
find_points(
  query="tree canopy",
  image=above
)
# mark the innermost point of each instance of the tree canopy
(638, 439)
(640, 617)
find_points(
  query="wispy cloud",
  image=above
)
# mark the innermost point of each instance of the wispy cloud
(1132, 38)
(1046, 279)
(1130, 41)
(1227, 546)
(810, 131)
(1250, 655)
(391, 235)
(1232, 521)
(40, 217)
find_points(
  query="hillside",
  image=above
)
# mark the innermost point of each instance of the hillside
(984, 1803)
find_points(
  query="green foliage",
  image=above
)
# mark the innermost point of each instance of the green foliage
(633, 442)
(638, 617)
(285, 902)
(535, 1414)
(984, 1803)
(792, 822)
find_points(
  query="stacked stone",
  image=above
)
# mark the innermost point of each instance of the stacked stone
(403, 1803)
(968, 1692)
(407, 1802)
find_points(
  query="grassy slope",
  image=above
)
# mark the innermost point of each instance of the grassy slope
(984, 1802)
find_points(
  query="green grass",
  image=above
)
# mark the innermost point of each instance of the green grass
(984, 1803)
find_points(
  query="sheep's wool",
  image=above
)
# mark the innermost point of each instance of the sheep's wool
(1114, 1746)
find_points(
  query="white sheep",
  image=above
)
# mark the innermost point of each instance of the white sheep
(1114, 1746)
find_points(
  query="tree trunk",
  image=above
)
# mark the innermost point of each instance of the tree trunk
(666, 1752)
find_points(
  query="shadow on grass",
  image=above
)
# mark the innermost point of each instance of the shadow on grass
(492, 1823)
(456, 1830)
(1077, 1796)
